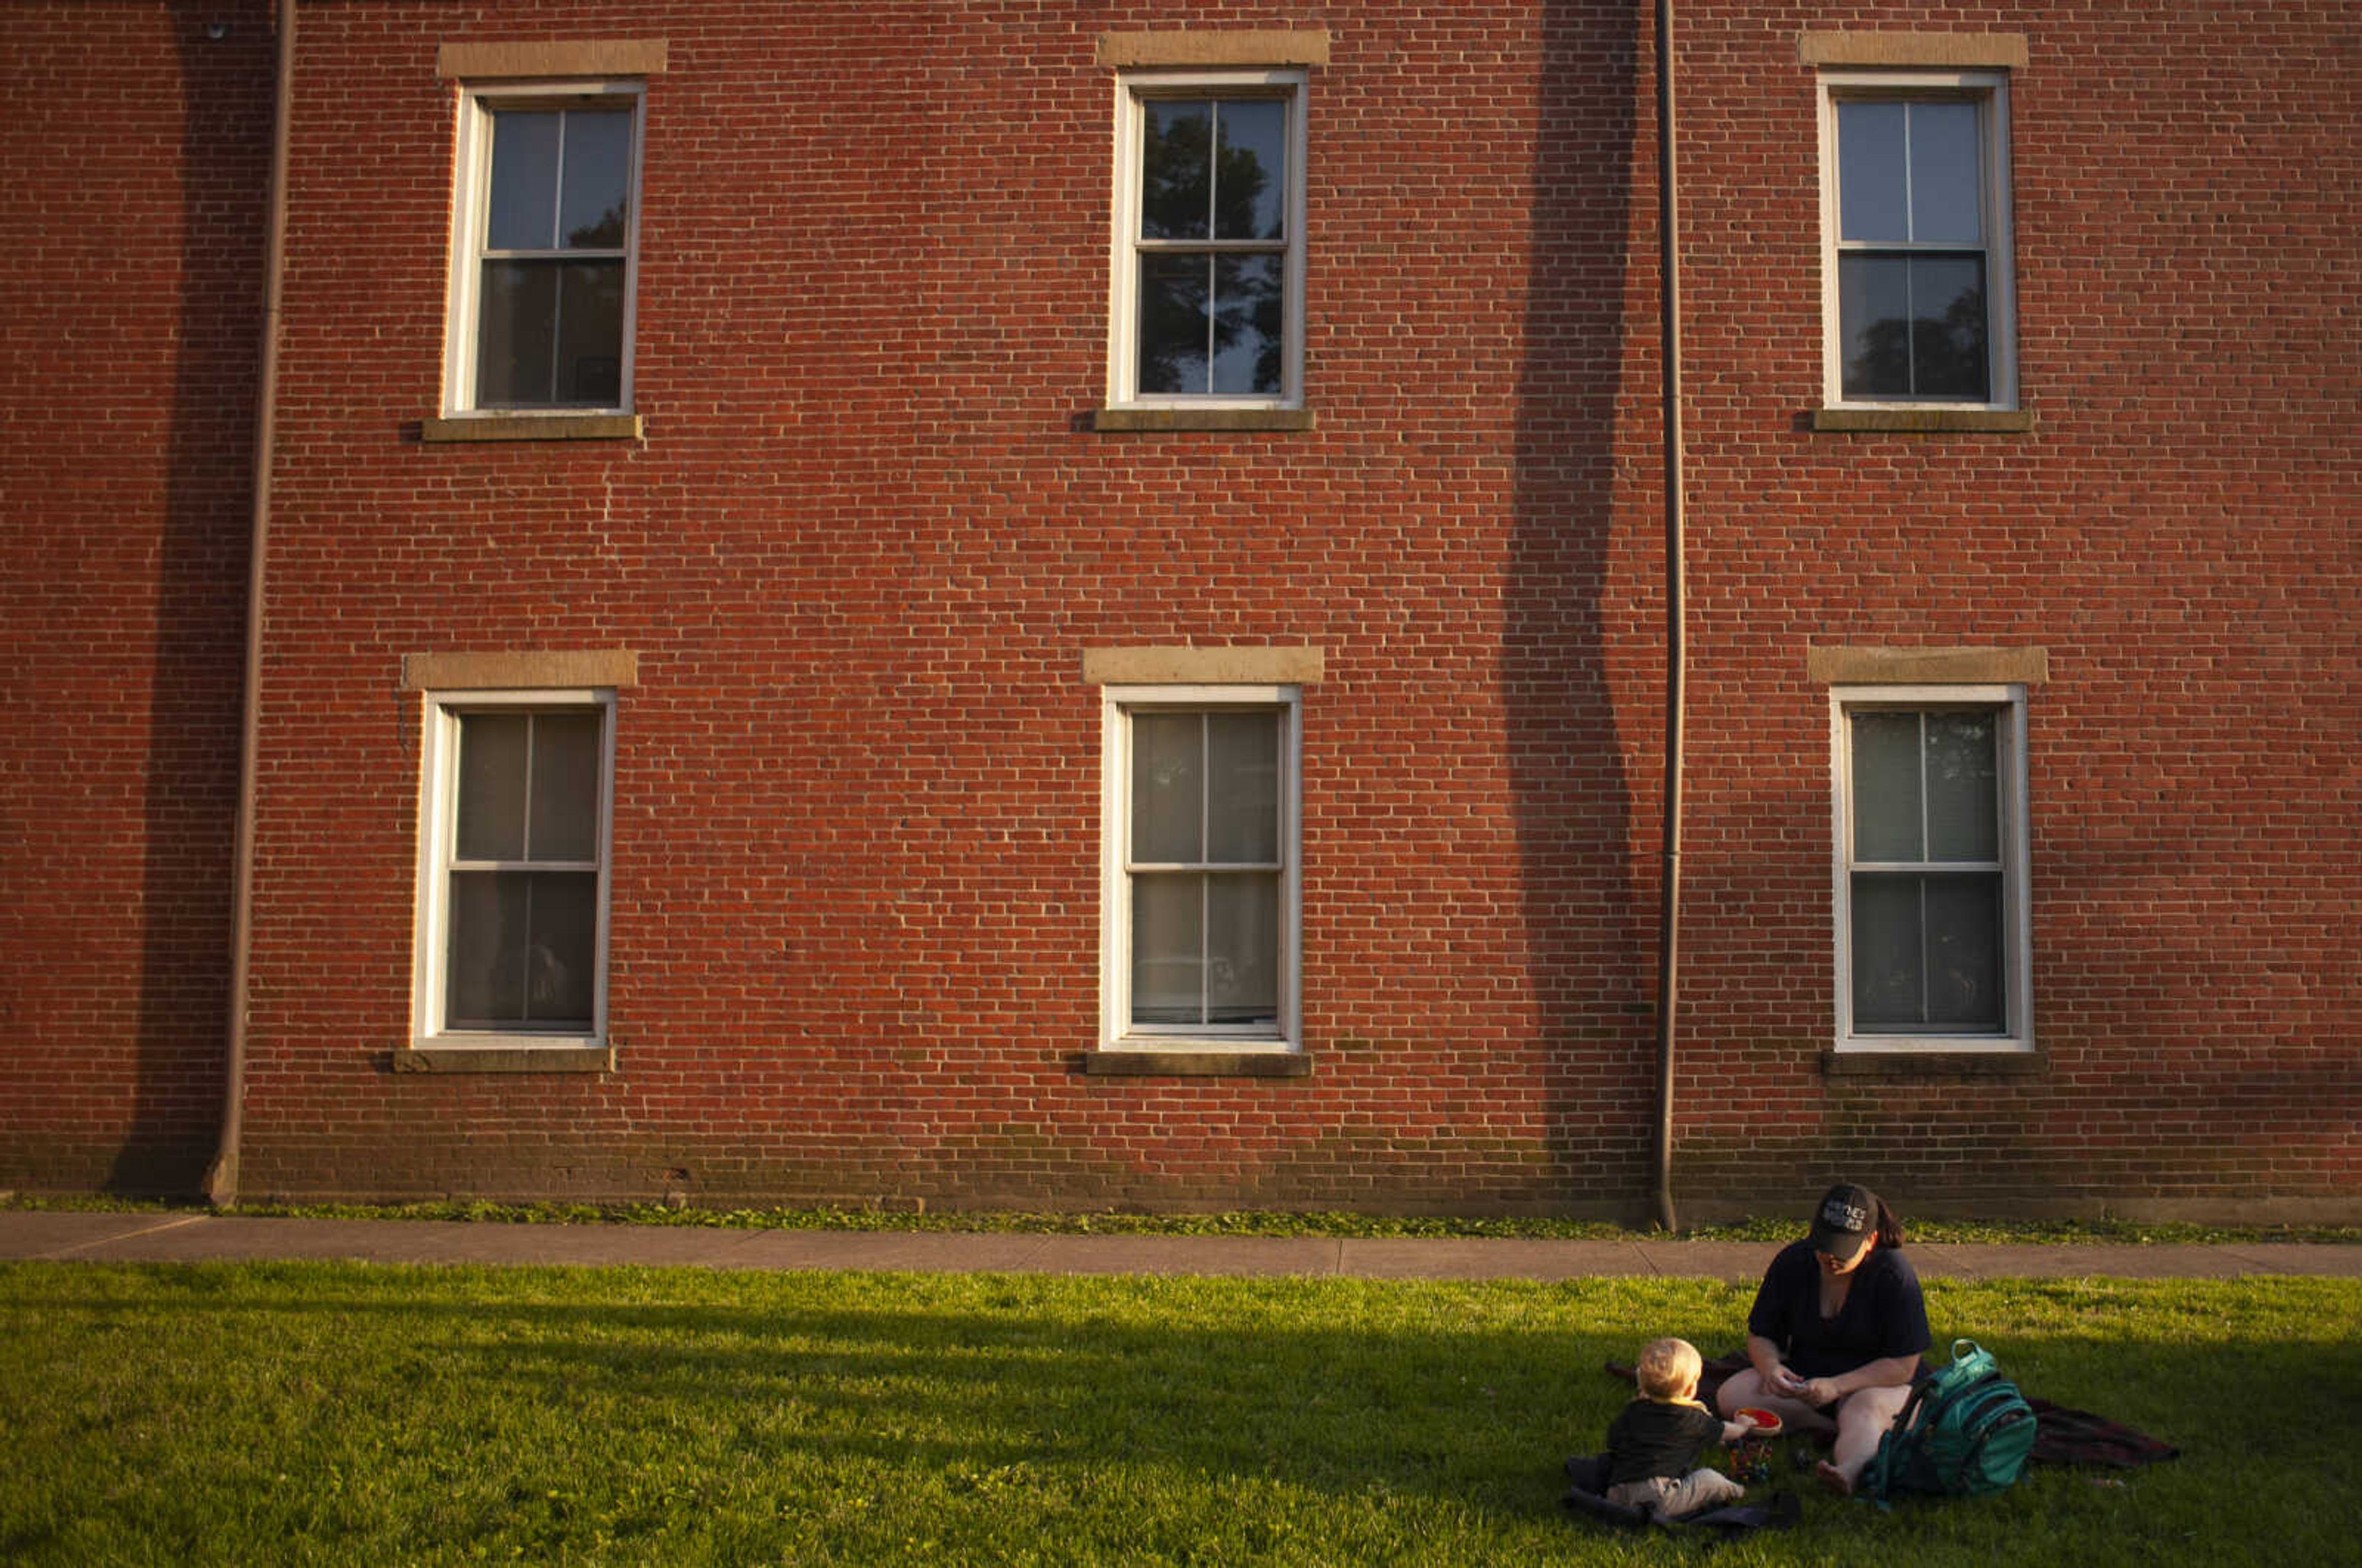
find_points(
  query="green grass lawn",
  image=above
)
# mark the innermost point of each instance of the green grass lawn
(347, 1413)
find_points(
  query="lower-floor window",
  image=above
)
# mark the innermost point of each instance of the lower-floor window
(1200, 852)
(513, 834)
(1932, 928)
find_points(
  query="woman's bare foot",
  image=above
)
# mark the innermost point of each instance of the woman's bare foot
(1834, 1479)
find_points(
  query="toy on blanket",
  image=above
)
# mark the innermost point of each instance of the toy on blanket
(1751, 1456)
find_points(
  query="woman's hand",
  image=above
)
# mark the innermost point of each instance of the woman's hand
(1819, 1391)
(1779, 1380)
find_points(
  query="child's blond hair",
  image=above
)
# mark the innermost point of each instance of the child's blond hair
(1669, 1369)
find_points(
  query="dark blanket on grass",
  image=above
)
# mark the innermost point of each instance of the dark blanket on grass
(2061, 1435)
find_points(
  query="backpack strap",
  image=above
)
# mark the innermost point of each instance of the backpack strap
(1878, 1476)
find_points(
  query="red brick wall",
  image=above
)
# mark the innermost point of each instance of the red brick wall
(2179, 534)
(135, 166)
(870, 534)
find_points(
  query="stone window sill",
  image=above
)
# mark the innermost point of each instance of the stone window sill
(1965, 421)
(506, 1059)
(532, 428)
(1156, 419)
(1921, 1064)
(1197, 1065)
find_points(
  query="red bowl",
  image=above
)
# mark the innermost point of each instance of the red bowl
(1767, 1422)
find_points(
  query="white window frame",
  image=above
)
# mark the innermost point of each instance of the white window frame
(437, 830)
(1117, 1032)
(1990, 90)
(1133, 89)
(2008, 702)
(470, 198)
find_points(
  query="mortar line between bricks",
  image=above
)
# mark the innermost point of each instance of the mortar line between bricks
(171, 1224)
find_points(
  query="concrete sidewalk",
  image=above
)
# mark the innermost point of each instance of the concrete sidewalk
(194, 1237)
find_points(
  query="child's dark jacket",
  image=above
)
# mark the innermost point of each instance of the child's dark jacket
(1649, 1439)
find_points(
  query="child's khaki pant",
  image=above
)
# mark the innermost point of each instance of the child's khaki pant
(1670, 1497)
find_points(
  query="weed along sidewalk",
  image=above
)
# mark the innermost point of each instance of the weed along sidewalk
(190, 1236)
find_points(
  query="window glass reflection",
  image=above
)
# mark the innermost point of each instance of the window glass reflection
(1873, 201)
(1173, 335)
(1251, 177)
(1168, 789)
(1176, 168)
(1945, 175)
(1912, 325)
(523, 210)
(595, 198)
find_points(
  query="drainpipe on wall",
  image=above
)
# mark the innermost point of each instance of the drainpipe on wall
(221, 1176)
(1669, 913)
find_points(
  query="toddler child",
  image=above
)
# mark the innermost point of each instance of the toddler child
(1654, 1444)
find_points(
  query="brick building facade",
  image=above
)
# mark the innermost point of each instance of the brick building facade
(1063, 604)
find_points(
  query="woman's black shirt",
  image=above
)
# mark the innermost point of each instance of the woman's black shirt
(1883, 1314)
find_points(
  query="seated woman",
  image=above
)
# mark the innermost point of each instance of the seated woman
(1837, 1332)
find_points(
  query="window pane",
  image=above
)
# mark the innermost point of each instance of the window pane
(1243, 949)
(1874, 324)
(566, 765)
(491, 786)
(595, 193)
(516, 346)
(562, 947)
(1889, 977)
(1243, 793)
(590, 335)
(1173, 332)
(1963, 788)
(1946, 186)
(487, 958)
(1873, 198)
(1167, 948)
(1964, 989)
(523, 949)
(1175, 164)
(523, 211)
(1885, 782)
(1947, 330)
(1248, 348)
(1169, 790)
(1251, 177)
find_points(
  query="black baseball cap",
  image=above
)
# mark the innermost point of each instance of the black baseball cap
(1846, 1220)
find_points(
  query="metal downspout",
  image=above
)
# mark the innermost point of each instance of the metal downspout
(1669, 913)
(221, 1176)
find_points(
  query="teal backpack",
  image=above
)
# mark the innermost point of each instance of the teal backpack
(1966, 1430)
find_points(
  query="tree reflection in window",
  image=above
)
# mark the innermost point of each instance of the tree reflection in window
(1212, 244)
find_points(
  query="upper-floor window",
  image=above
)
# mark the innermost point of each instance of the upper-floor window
(544, 253)
(1918, 288)
(1208, 260)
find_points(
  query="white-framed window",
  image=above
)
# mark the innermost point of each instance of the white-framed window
(1918, 293)
(544, 254)
(1932, 941)
(1207, 294)
(515, 819)
(1202, 881)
